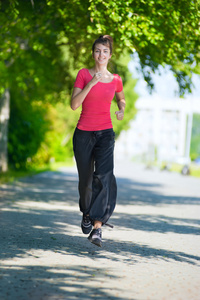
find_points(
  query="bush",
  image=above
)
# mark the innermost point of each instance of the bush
(27, 128)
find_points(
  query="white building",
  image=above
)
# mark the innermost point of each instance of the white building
(161, 129)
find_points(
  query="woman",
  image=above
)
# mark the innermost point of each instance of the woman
(93, 140)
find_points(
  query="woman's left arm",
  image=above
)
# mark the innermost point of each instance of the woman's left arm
(121, 105)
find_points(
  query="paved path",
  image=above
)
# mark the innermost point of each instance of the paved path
(153, 252)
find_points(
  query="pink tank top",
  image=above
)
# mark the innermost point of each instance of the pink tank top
(95, 113)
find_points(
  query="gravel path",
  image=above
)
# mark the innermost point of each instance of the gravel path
(151, 253)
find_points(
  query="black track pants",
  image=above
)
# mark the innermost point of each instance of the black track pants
(93, 152)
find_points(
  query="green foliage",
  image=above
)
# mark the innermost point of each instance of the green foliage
(57, 143)
(27, 129)
(195, 140)
(161, 31)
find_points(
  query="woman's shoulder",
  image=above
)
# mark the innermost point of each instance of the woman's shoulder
(117, 77)
(118, 83)
(83, 72)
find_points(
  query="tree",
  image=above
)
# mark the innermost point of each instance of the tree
(161, 31)
(4, 116)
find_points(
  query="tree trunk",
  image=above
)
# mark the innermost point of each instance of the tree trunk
(4, 117)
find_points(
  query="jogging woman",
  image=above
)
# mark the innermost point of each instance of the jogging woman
(94, 138)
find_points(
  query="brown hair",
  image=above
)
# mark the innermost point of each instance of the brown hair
(105, 40)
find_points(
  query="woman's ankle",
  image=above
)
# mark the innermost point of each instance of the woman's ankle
(97, 224)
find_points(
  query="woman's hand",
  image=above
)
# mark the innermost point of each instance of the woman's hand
(119, 115)
(121, 105)
(96, 78)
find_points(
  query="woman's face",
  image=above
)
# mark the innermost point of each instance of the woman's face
(101, 54)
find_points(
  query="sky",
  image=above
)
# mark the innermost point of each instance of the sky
(165, 84)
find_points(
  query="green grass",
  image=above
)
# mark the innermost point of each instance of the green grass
(12, 175)
(194, 169)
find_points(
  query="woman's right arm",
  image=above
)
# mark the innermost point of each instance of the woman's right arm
(78, 95)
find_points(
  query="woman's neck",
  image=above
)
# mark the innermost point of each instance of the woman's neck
(102, 69)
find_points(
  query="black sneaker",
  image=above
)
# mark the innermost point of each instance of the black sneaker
(86, 224)
(95, 237)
